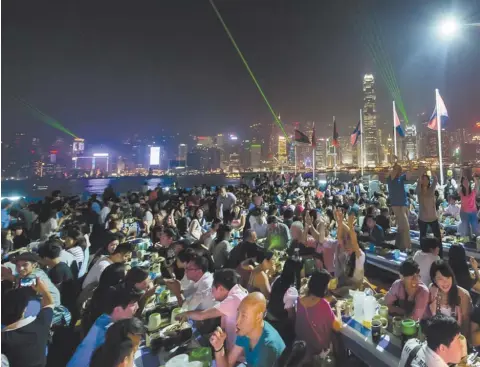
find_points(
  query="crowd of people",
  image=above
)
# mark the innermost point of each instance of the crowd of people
(75, 297)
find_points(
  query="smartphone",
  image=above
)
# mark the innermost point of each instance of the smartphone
(309, 267)
(28, 282)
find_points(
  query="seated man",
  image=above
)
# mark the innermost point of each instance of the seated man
(256, 339)
(198, 295)
(452, 210)
(226, 290)
(373, 232)
(408, 296)
(383, 220)
(20, 332)
(122, 304)
(278, 234)
(120, 255)
(60, 273)
(443, 345)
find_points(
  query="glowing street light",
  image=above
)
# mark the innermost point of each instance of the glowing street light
(448, 28)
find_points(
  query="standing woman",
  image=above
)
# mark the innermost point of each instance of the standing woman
(447, 298)
(427, 215)
(468, 209)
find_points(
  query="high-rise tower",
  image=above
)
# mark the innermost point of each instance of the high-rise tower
(370, 120)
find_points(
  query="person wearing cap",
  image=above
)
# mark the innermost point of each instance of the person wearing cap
(408, 296)
(26, 265)
(122, 303)
(278, 234)
(32, 332)
(120, 255)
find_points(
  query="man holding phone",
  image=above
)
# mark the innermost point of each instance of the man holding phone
(31, 331)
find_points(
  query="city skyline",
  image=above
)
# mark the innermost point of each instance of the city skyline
(163, 66)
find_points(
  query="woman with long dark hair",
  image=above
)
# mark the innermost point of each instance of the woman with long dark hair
(315, 320)
(447, 298)
(468, 209)
(283, 299)
(457, 259)
(113, 275)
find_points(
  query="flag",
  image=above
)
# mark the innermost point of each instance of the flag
(314, 140)
(301, 137)
(335, 135)
(435, 123)
(397, 124)
(356, 133)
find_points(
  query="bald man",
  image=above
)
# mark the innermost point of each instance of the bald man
(256, 339)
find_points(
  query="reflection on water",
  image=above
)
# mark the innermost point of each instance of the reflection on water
(97, 185)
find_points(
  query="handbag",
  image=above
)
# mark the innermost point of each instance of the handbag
(322, 359)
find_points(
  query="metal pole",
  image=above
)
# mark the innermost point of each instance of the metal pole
(334, 156)
(439, 130)
(394, 131)
(314, 146)
(362, 160)
(295, 147)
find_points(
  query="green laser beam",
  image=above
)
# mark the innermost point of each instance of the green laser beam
(220, 18)
(45, 118)
(371, 36)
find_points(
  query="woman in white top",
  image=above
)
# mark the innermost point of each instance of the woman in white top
(195, 229)
(430, 248)
(258, 222)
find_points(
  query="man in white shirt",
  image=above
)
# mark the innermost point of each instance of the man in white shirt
(444, 345)
(227, 291)
(198, 295)
(121, 254)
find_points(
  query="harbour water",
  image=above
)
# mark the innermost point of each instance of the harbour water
(38, 188)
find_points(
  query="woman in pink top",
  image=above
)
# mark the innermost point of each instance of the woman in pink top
(315, 320)
(468, 210)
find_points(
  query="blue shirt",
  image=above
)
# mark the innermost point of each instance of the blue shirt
(94, 339)
(268, 349)
(396, 191)
(5, 219)
(96, 207)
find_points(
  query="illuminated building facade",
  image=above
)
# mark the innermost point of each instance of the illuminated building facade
(370, 120)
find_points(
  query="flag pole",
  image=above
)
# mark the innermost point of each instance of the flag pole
(394, 132)
(314, 145)
(361, 141)
(439, 131)
(334, 156)
(295, 147)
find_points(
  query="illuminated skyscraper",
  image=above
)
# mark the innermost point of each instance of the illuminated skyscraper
(255, 155)
(182, 152)
(370, 120)
(411, 151)
(282, 149)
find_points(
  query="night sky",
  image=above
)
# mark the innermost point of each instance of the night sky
(108, 69)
